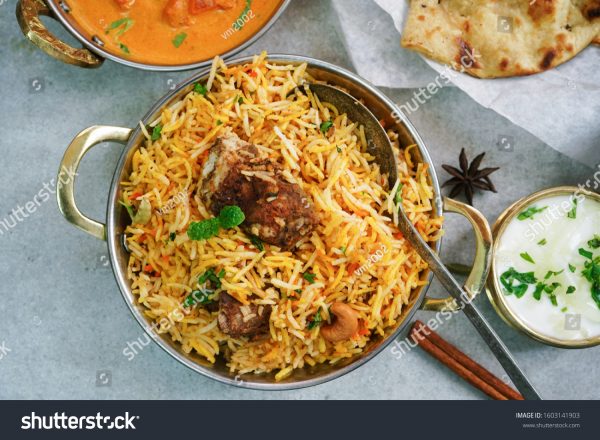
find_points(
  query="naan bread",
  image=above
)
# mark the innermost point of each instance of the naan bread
(499, 38)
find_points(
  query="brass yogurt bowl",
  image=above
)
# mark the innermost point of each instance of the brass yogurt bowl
(494, 288)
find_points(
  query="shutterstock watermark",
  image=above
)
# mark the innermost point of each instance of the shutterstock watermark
(4, 350)
(21, 213)
(373, 258)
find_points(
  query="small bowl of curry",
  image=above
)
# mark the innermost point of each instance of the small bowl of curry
(161, 35)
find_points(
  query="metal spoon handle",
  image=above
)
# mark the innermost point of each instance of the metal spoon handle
(462, 297)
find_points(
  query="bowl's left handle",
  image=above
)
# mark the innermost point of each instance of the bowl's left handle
(483, 256)
(28, 16)
(69, 165)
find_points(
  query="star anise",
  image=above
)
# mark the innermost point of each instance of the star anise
(469, 177)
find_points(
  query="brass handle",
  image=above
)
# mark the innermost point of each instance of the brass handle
(483, 256)
(82, 143)
(28, 16)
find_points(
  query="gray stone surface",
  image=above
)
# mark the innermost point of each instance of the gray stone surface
(61, 315)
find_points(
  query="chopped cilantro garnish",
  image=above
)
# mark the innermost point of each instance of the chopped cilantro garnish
(310, 277)
(571, 289)
(156, 132)
(124, 48)
(339, 150)
(210, 275)
(551, 273)
(586, 254)
(343, 249)
(316, 321)
(564, 309)
(325, 126)
(179, 39)
(572, 268)
(201, 297)
(219, 122)
(172, 236)
(257, 242)
(594, 243)
(592, 274)
(298, 291)
(511, 276)
(201, 89)
(542, 242)
(573, 212)
(530, 212)
(122, 24)
(240, 100)
(129, 209)
(398, 195)
(525, 256)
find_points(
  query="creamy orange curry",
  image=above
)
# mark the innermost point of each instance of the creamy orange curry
(171, 32)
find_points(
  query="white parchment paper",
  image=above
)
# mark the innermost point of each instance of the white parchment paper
(560, 106)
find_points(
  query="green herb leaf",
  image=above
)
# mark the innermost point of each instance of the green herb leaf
(231, 216)
(122, 24)
(156, 132)
(210, 275)
(310, 277)
(586, 254)
(179, 39)
(525, 256)
(240, 100)
(592, 274)
(316, 321)
(203, 230)
(129, 209)
(539, 288)
(572, 268)
(172, 236)
(339, 150)
(325, 126)
(343, 249)
(201, 297)
(594, 243)
(398, 195)
(530, 212)
(564, 309)
(513, 280)
(124, 48)
(551, 273)
(257, 242)
(201, 89)
(542, 242)
(571, 289)
(298, 291)
(573, 212)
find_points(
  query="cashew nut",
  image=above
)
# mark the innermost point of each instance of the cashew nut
(344, 324)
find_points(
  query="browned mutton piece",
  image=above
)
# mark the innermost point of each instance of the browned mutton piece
(236, 319)
(278, 212)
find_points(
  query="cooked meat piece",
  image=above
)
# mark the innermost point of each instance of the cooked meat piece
(236, 319)
(278, 212)
(178, 12)
(282, 215)
(199, 6)
(125, 4)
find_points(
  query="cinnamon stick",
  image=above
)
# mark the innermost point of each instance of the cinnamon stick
(461, 364)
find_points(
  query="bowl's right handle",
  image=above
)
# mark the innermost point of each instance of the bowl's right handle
(69, 165)
(483, 256)
(28, 16)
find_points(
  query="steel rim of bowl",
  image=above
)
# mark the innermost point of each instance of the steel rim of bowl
(114, 240)
(59, 14)
(494, 290)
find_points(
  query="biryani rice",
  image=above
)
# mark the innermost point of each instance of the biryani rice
(350, 196)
